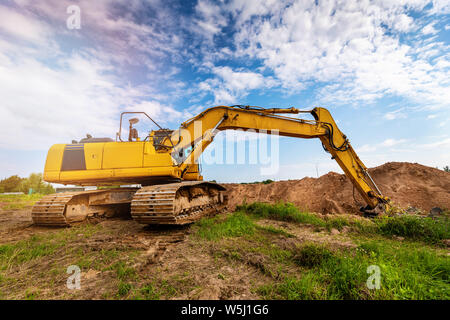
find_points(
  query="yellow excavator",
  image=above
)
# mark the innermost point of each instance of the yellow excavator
(165, 165)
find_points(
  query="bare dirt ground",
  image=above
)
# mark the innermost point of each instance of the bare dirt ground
(121, 259)
(163, 262)
(406, 184)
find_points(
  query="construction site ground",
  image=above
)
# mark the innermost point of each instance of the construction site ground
(321, 251)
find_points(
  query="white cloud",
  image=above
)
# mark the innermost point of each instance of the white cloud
(159, 112)
(346, 47)
(44, 105)
(348, 51)
(439, 144)
(392, 142)
(403, 23)
(111, 27)
(51, 95)
(367, 148)
(230, 85)
(397, 114)
(211, 18)
(429, 29)
(387, 143)
(21, 27)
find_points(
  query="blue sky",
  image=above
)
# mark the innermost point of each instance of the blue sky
(381, 68)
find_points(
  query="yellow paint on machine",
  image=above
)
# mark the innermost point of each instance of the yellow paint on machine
(112, 163)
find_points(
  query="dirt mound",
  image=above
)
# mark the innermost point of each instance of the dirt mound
(407, 184)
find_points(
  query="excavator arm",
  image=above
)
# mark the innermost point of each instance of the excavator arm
(197, 133)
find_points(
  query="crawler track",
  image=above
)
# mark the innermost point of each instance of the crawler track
(177, 203)
(64, 209)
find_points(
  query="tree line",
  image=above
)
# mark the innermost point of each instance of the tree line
(18, 184)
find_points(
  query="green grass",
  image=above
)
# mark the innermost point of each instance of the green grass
(406, 273)
(123, 271)
(26, 250)
(281, 211)
(417, 228)
(123, 288)
(18, 201)
(415, 268)
(20, 197)
(235, 225)
(411, 269)
(148, 292)
(15, 254)
(312, 255)
(155, 291)
(308, 287)
(125, 275)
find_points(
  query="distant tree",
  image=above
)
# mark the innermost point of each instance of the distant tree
(447, 169)
(11, 184)
(35, 182)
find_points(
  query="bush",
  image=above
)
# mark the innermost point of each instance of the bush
(34, 181)
(11, 184)
(415, 227)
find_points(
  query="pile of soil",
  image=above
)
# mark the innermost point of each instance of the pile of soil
(406, 184)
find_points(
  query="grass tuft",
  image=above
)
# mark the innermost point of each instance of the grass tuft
(281, 211)
(312, 255)
(426, 229)
(415, 227)
(235, 225)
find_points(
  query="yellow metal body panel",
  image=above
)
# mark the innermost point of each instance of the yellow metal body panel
(123, 155)
(93, 153)
(53, 163)
(155, 159)
(113, 163)
(54, 157)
